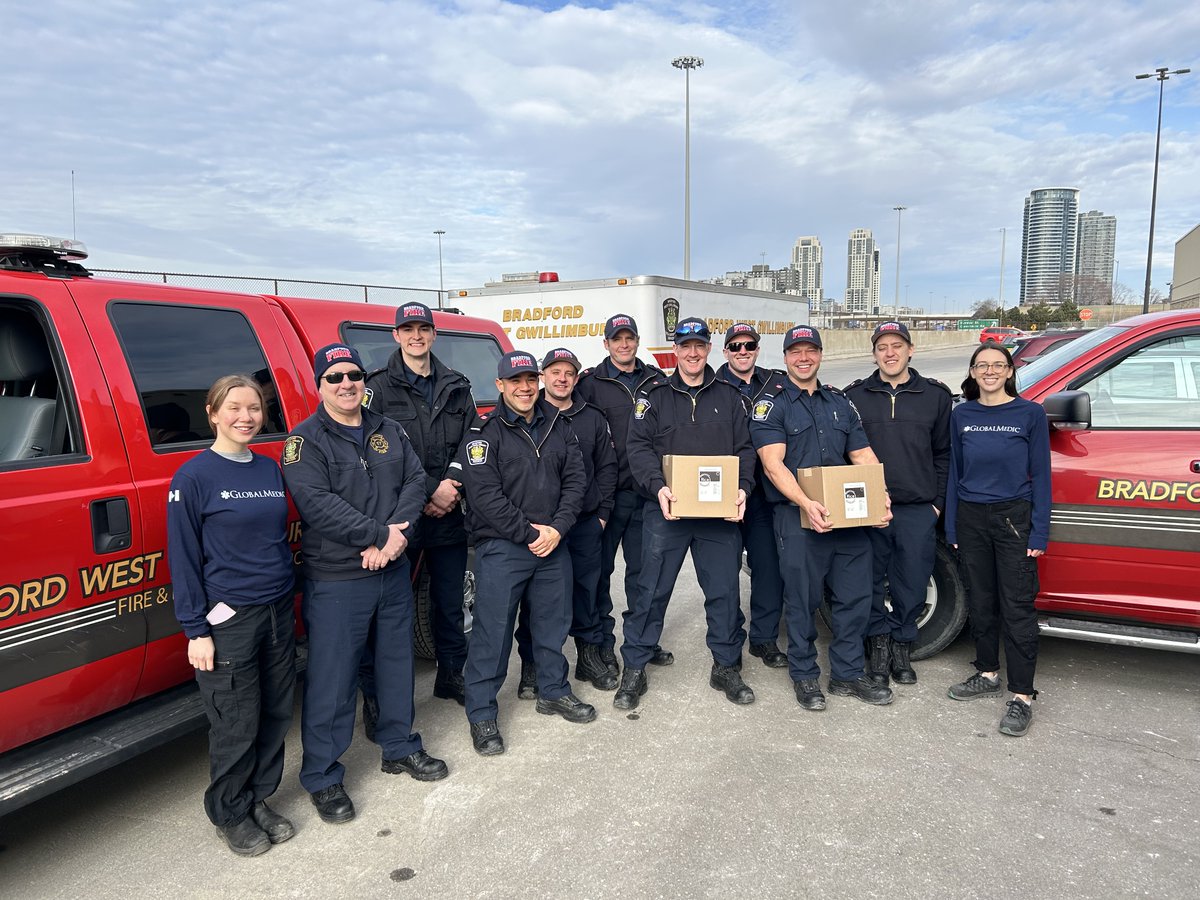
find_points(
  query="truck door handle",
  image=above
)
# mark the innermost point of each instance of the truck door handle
(110, 525)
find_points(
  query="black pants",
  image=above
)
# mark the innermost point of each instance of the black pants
(248, 699)
(766, 585)
(624, 529)
(903, 555)
(583, 546)
(1002, 584)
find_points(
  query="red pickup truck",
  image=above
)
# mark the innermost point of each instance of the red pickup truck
(1123, 563)
(102, 387)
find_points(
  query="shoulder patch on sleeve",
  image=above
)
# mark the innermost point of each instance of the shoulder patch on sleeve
(945, 387)
(641, 407)
(477, 453)
(854, 384)
(368, 393)
(762, 409)
(833, 390)
(291, 450)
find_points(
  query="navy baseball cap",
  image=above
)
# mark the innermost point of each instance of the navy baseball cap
(619, 322)
(741, 330)
(413, 312)
(897, 328)
(802, 334)
(331, 355)
(561, 354)
(692, 329)
(516, 362)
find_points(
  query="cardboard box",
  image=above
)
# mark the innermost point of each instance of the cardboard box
(854, 495)
(705, 487)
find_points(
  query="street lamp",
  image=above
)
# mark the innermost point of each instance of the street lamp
(899, 212)
(441, 281)
(1000, 302)
(1162, 74)
(687, 63)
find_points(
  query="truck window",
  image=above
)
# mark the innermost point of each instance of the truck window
(474, 355)
(1150, 388)
(175, 353)
(38, 418)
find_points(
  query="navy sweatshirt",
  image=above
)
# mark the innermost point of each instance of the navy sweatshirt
(226, 537)
(1000, 453)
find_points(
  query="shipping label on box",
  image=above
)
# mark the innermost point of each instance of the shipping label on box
(705, 487)
(853, 495)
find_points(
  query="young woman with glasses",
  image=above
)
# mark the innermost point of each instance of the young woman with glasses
(998, 516)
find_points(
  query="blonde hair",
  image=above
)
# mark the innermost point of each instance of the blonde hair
(220, 390)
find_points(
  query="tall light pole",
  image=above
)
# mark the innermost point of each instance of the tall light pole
(687, 63)
(1000, 302)
(441, 281)
(899, 213)
(1162, 74)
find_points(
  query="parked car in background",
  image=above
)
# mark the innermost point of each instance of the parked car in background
(998, 333)
(1027, 347)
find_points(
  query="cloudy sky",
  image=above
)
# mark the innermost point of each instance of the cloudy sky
(328, 140)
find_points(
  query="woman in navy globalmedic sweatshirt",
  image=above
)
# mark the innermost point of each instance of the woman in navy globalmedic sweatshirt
(231, 573)
(998, 516)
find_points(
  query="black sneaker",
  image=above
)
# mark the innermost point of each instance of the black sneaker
(808, 694)
(863, 688)
(1016, 718)
(729, 680)
(527, 687)
(975, 687)
(770, 654)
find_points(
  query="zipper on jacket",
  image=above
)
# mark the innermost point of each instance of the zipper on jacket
(1012, 527)
(893, 396)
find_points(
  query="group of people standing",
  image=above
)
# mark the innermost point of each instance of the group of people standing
(396, 465)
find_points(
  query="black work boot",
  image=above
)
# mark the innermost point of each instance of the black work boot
(449, 685)
(609, 655)
(245, 838)
(863, 688)
(370, 716)
(591, 668)
(879, 658)
(902, 669)
(527, 687)
(729, 680)
(661, 657)
(633, 685)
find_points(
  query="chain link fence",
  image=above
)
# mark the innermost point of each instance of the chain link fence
(384, 295)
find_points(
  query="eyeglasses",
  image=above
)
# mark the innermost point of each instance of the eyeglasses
(339, 377)
(692, 328)
(742, 345)
(984, 368)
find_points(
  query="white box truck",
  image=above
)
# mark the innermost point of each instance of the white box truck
(540, 315)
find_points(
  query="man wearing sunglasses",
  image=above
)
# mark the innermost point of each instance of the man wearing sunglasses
(907, 420)
(689, 413)
(612, 386)
(359, 488)
(435, 406)
(758, 532)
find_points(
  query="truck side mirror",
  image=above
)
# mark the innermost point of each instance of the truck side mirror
(1069, 410)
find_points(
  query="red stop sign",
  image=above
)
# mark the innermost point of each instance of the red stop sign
(1085, 314)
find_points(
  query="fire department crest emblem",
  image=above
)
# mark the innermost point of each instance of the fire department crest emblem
(762, 409)
(641, 408)
(291, 450)
(477, 452)
(379, 443)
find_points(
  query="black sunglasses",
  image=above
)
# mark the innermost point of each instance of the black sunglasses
(742, 345)
(339, 377)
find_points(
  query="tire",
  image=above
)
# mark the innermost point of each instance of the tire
(945, 611)
(424, 645)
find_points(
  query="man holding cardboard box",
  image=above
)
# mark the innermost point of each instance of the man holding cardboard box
(907, 419)
(811, 426)
(691, 458)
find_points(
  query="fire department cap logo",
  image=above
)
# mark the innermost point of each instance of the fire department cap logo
(514, 363)
(641, 408)
(414, 312)
(477, 452)
(762, 409)
(897, 328)
(802, 334)
(379, 443)
(619, 322)
(561, 354)
(291, 450)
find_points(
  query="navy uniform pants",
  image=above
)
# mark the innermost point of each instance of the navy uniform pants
(508, 574)
(1002, 585)
(248, 699)
(716, 548)
(809, 561)
(903, 556)
(766, 584)
(623, 529)
(337, 617)
(583, 546)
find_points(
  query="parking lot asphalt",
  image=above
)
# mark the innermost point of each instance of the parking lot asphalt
(692, 796)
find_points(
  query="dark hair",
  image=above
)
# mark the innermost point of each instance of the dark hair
(220, 390)
(970, 388)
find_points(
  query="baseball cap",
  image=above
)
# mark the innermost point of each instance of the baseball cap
(802, 334)
(896, 328)
(332, 354)
(413, 312)
(741, 329)
(516, 362)
(619, 322)
(692, 329)
(561, 354)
